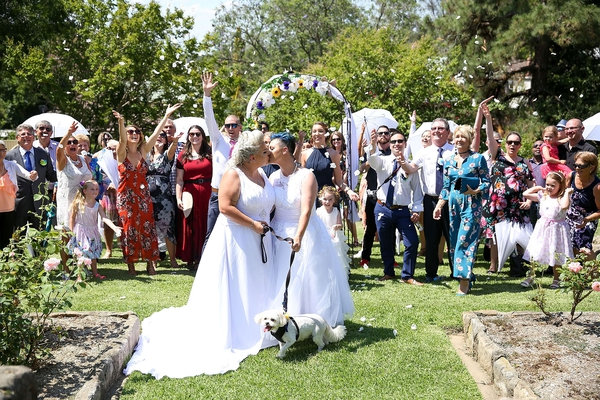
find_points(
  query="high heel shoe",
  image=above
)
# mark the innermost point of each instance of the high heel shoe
(131, 269)
(150, 268)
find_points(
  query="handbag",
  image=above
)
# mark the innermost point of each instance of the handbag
(464, 181)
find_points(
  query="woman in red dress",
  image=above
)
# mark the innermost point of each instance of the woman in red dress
(134, 203)
(194, 172)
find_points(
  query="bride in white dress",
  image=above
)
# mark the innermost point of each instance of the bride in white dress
(319, 283)
(215, 331)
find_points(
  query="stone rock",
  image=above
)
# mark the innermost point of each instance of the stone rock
(17, 383)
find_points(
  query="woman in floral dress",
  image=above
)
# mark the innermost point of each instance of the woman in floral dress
(506, 210)
(160, 162)
(134, 202)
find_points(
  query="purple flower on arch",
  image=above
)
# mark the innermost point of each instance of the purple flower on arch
(259, 105)
(286, 85)
(315, 83)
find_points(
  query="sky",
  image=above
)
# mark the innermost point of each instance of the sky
(202, 11)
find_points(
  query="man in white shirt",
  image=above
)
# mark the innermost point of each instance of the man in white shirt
(399, 202)
(429, 162)
(222, 147)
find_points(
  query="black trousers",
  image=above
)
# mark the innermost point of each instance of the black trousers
(7, 225)
(371, 228)
(433, 230)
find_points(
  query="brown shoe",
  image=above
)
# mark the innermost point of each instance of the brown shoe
(412, 281)
(386, 278)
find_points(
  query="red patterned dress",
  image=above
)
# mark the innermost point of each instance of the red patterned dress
(138, 240)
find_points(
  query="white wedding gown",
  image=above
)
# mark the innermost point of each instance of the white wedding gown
(319, 282)
(215, 331)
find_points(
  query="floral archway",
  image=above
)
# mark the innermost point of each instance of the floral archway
(268, 93)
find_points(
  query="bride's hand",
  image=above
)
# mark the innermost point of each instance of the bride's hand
(296, 244)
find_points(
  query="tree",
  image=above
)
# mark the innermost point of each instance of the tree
(553, 42)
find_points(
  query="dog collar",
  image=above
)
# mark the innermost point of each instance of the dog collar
(282, 331)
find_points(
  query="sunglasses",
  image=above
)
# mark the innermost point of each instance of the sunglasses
(2, 150)
(231, 126)
(74, 141)
(198, 134)
(162, 135)
(581, 166)
(513, 142)
(45, 128)
(383, 133)
(336, 140)
(132, 131)
(397, 141)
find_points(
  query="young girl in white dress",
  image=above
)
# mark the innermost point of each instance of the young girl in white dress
(83, 221)
(550, 242)
(332, 219)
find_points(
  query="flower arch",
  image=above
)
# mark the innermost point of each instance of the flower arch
(268, 93)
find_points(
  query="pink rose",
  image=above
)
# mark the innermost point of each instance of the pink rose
(87, 261)
(51, 264)
(575, 267)
(596, 286)
(77, 253)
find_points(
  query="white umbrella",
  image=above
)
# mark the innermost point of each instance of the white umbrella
(592, 128)
(60, 123)
(508, 235)
(374, 118)
(183, 124)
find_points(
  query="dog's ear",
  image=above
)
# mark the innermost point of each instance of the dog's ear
(281, 318)
(258, 317)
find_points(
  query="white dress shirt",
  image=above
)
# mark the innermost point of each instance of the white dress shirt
(407, 189)
(219, 143)
(426, 160)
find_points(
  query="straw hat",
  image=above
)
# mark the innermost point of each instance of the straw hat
(188, 203)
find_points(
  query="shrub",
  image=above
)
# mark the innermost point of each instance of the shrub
(580, 277)
(32, 285)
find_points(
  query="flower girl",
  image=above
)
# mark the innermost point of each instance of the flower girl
(332, 219)
(85, 242)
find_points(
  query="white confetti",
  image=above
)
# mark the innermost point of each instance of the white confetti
(223, 96)
(553, 53)
(67, 49)
(70, 77)
(356, 173)
(305, 106)
(392, 70)
(122, 298)
(291, 97)
(413, 327)
(458, 17)
(581, 95)
(535, 113)
(174, 64)
(534, 100)
(369, 325)
(361, 329)
(464, 68)
(496, 101)
(572, 89)
(364, 73)
(216, 73)
(409, 306)
(477, 42)
(162, 58)
(84, 81)
(155, 72)
(363, 319)
(189, 81)
(88, 40)
(395, 332)
(252, 64)
(470, 77)
(121, 63)
(332, 165)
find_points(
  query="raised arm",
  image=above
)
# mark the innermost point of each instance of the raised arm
(173, 146)
(209, 116)
(122, 147)
(152, 139)
(476, 142)
(61, 158)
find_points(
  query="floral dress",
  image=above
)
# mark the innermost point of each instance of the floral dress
(158, 176)
(508, 181)
(582, 205)
(465, 211)
(134, 204)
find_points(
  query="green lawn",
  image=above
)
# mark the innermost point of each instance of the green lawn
(371, 362)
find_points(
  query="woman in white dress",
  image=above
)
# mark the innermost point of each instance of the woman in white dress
(318, 284)
(215, 331)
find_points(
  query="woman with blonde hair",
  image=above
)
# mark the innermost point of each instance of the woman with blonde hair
(139, 239)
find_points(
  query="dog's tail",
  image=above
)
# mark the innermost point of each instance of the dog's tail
(336, 334)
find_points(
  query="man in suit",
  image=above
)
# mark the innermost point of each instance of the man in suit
(31, 158)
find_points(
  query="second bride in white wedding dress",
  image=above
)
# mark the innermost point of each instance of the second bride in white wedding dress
(319, 282)
(216, 330)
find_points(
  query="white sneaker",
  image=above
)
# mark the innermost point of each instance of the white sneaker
(358, 254)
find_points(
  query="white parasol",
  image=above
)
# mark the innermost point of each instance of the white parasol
(60, 123)
(592, 128)
(183, 124)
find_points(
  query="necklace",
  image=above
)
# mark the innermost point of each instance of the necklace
(464, 152)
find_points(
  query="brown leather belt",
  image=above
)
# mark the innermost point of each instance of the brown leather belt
(214, 190)
(391, 207)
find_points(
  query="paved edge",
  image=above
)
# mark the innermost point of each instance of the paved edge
(100, 384)
(491, 357)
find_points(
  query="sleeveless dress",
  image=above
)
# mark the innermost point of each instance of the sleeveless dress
(582, 205)
(318, 284)
(339, 239)
(216, 330)
(550, 242)
(320, 164)
(86, 236)
(191, 231)
(69, 182)
(158, 176)
(134, 203)
(546, 168)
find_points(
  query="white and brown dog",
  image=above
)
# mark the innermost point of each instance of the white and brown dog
(288, 330)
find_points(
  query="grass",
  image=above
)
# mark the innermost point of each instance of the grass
(370, 363)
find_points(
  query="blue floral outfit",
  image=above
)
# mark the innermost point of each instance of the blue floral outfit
(465, 211)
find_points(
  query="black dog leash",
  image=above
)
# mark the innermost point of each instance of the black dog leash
(267, 228)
